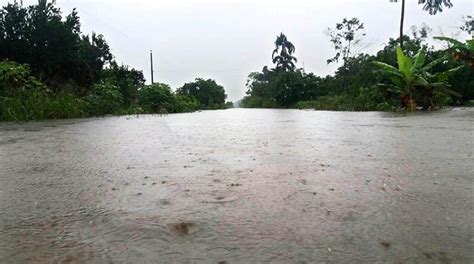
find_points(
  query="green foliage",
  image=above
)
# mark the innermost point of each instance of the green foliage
(463, 52)
(229, 105)
(48, 69)
(157, 98)
(23, 97)
(258, 102)
(345, 102)
(38, 105)
(273, 88)
(16, 79)
(186, 103)
(105, 98)
(412, 78)
(128, 80)
(51, 44)
(209, 94)
(425, 75)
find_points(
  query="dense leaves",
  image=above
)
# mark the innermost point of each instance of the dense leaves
(414, 77)
(209, 94)
(431, 78)
(51, 45)
(49, 69)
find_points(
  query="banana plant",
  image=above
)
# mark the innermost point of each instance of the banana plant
(413, 77)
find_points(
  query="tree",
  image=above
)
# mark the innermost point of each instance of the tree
(413, 77)
(468, 25)
(209, 94)
(283, 54)
(158, 98)
(52, 45)
(461, 51)
(432, 6)
(345, 37)
(128, 80)
(435, 6)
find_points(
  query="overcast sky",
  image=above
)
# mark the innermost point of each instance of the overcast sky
(227, 39)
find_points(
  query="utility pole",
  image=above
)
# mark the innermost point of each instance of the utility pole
(151, 62)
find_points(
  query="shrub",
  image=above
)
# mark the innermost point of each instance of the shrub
(186, 103)
(229, 105)
(104, 99)
(16, 78)
(157, 98)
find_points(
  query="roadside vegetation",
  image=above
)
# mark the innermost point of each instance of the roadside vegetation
(50, 70)
(408, 73)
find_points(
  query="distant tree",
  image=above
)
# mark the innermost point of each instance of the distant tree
(421, 33)
(283, 54)
(432, 6)
(229, 105)
(345, 37)
(209, 94)
(468, 25)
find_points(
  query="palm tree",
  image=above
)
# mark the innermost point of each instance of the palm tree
(435, 6)
(432, 6)
(283, 54)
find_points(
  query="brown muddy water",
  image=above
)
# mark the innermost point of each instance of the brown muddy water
(240, 186)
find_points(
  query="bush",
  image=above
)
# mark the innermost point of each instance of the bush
(258, 102)
(104, 99)
(306, 105)
(229, 105)
(39, 105)
(186, 103)
(16, 78)
(23, 97)
(158, 98)
(132, 110)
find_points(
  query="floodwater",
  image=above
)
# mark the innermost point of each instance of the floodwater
(240, 186)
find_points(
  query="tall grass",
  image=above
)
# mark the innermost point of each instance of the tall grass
(38, 105)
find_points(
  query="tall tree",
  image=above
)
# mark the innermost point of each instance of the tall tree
(52, 44)
(432, 6)
(345, 38)
(283, 54)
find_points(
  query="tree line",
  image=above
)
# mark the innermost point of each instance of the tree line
(407, 73)
(50, 69)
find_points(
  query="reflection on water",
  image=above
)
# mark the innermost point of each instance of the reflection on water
(240, 186)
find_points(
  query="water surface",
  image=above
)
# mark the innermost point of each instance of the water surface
(240, 186)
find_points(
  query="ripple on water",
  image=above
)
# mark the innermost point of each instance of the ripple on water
(240, 186)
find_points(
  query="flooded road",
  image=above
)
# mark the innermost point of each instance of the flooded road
(240, 186)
